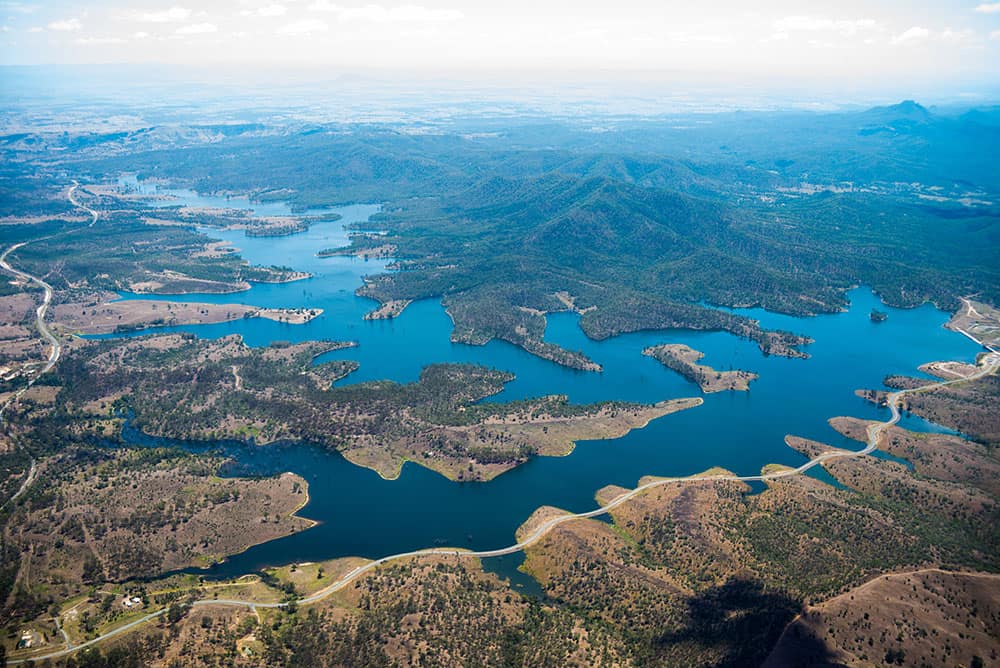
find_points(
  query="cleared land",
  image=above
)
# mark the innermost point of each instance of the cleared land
(104, 313)
(19, 343)
(978, 321)
(375, 252)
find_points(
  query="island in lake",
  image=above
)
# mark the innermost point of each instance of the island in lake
(684, 360)
(384, 382)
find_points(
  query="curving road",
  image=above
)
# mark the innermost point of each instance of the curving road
(988, 365)
(55, 350)
(43, 329)
(971, 311)
(55, 347)
(72, 200)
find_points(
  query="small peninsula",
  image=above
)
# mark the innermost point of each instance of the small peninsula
(684, 360)
(105, 312)
(388, 310)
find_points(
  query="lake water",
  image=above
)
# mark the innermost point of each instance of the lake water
(361, 514)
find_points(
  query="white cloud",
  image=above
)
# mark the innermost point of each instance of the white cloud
(66, 25)
(142, 34)
(265, 11)
(848, 27)
(380, 14)
(36, 29)
(995, 34)
(89, 41)
(958, 36)
(197, 29)
(914, 34)
(172, 15)
(305, 27)
(988, 8)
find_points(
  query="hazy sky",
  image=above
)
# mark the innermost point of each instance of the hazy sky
(842, 40)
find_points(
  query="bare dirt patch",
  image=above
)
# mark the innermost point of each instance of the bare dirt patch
(172, 282)
(949, 370)
(16, 314)
(292, 316)
(977, 320)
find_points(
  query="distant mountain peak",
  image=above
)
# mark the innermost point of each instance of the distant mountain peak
(907, 116)
(908, 109)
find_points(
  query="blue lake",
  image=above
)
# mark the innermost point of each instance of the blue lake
(362, 514)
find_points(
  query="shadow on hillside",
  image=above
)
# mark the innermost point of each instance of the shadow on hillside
(743, 623)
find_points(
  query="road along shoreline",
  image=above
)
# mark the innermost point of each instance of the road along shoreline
(988, 364)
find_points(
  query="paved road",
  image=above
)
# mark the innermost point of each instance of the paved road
(43, 329)
(55, 347)
(55, 350)
(70, 195)
(988, 365)
(971, 311)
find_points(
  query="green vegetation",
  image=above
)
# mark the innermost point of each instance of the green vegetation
(970, 408)
(124, 253)
(783, 212)
(181, 387)
(97, 517)
(707, 574)
(684, 360)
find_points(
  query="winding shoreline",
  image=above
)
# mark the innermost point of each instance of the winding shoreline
(989, 364)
